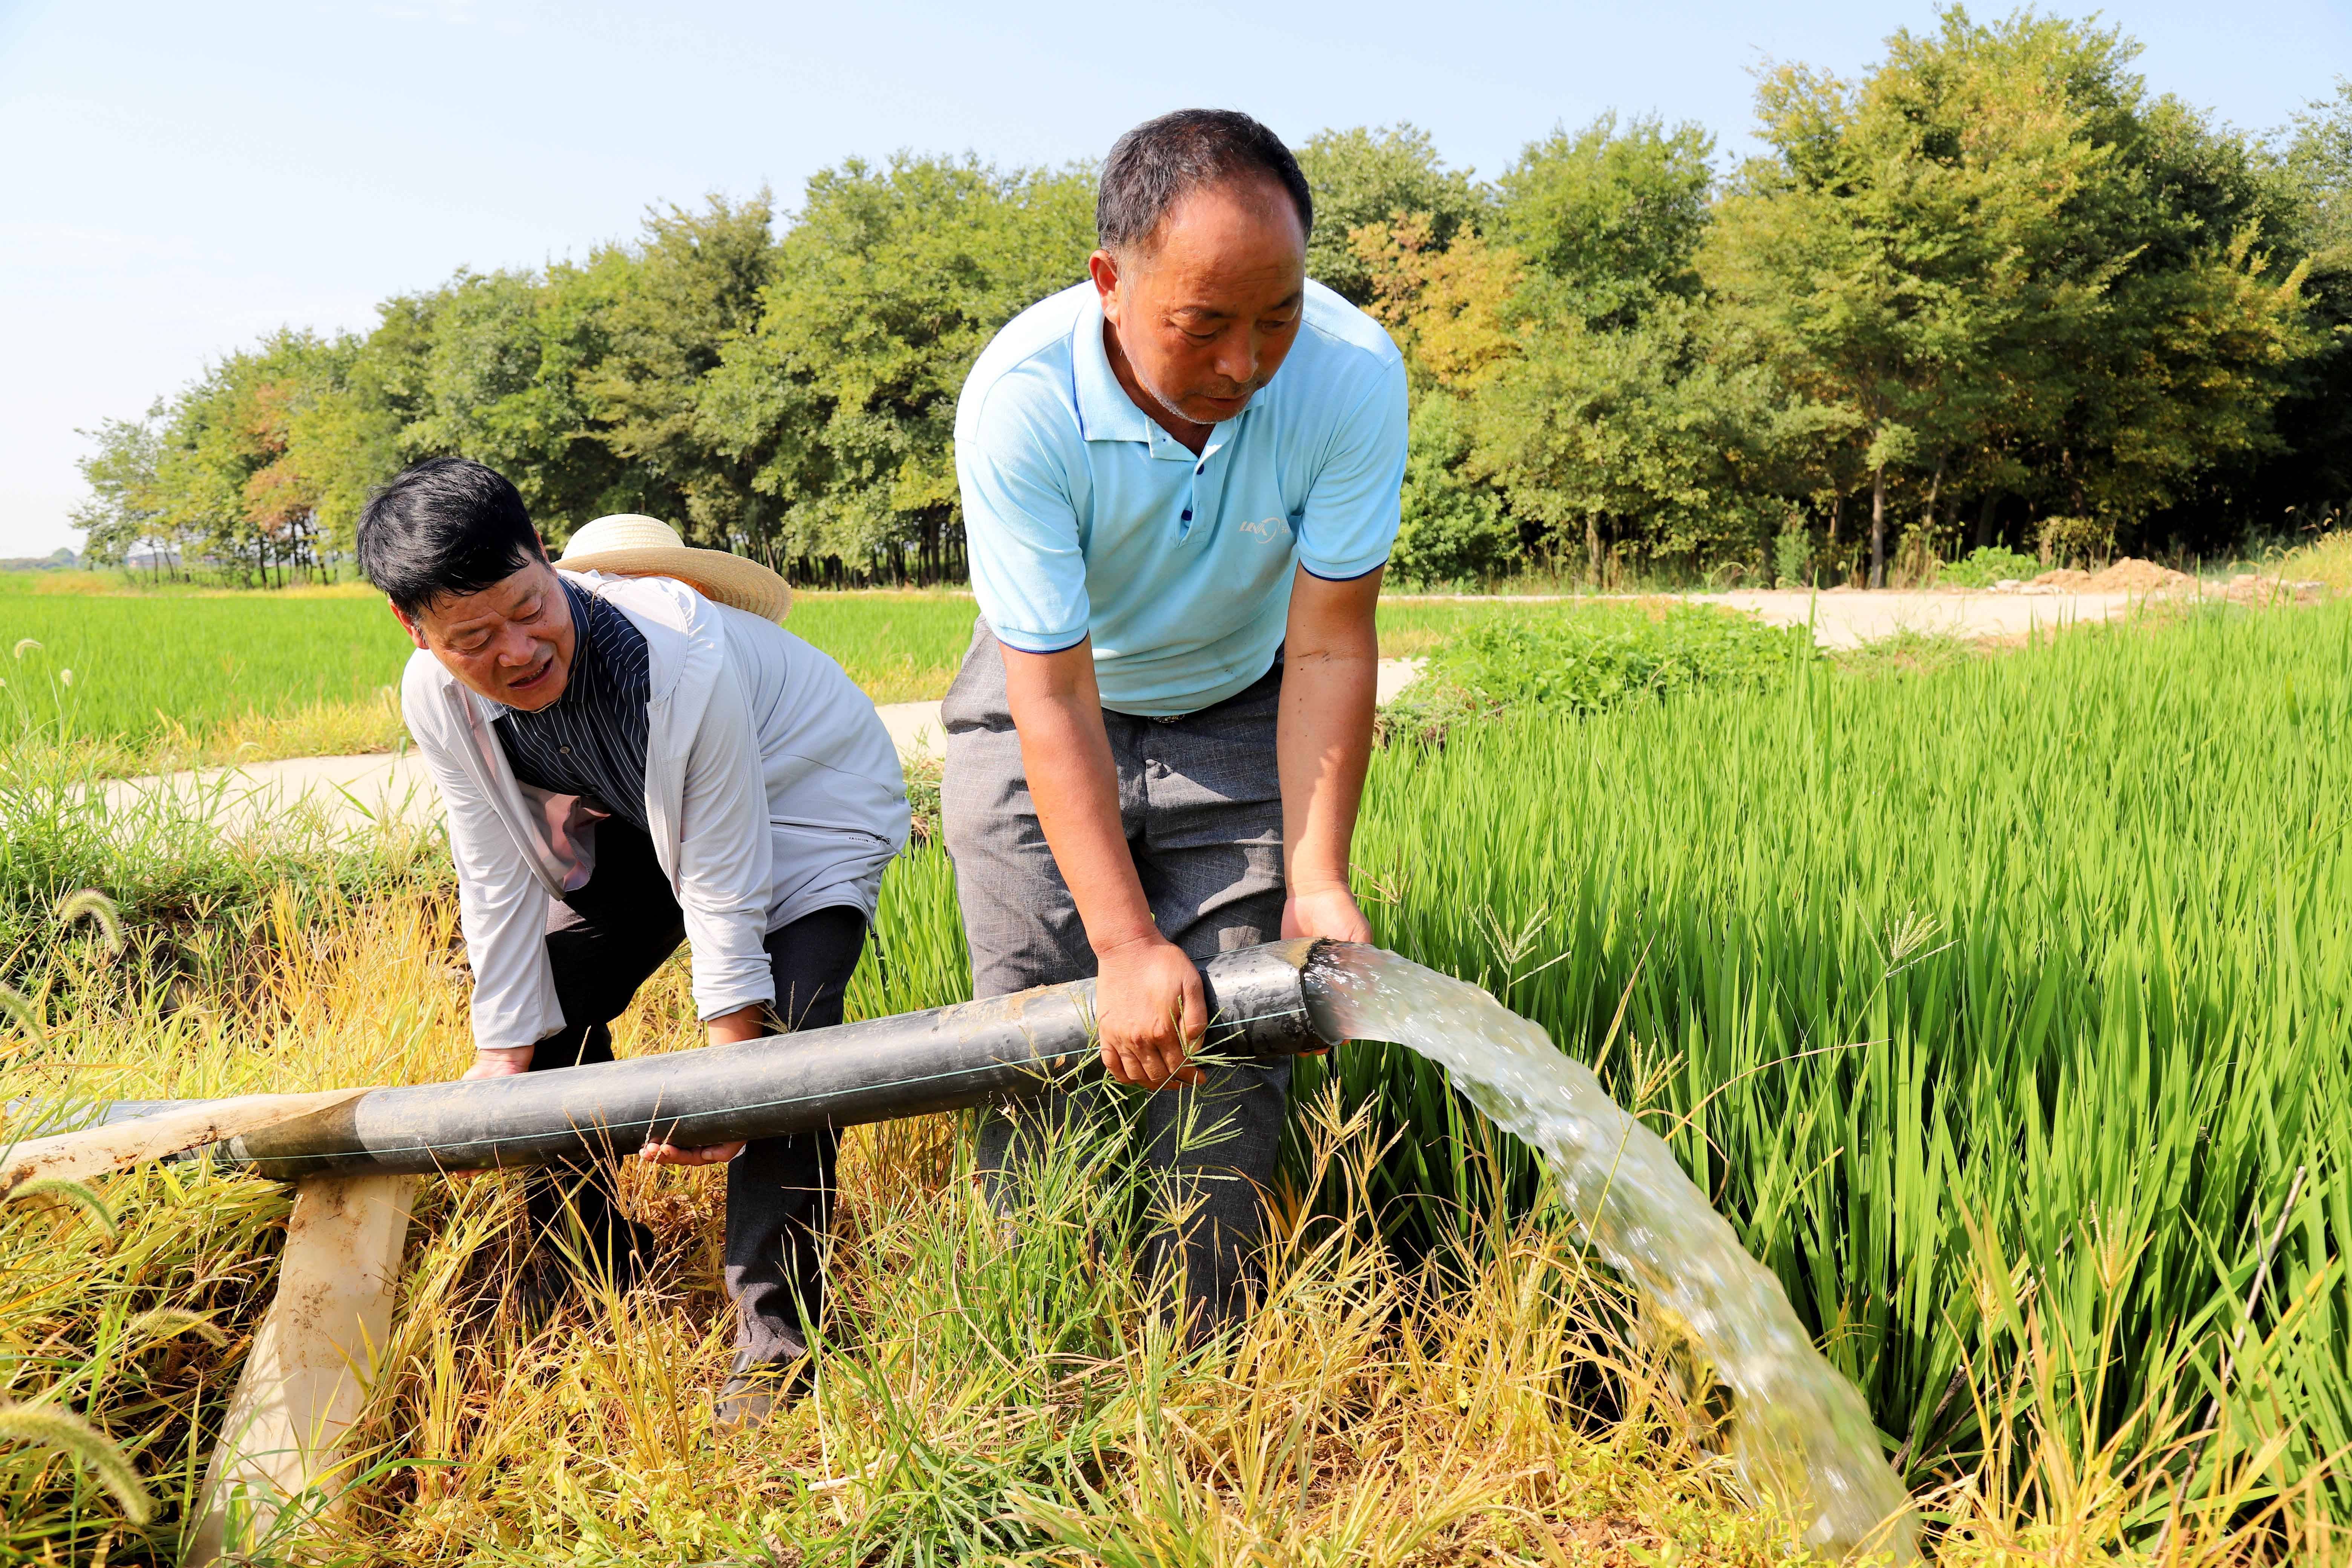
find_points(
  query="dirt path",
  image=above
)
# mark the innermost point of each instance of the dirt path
(354, 794)
(1844, 619)
(348, 794)
(1848, 618)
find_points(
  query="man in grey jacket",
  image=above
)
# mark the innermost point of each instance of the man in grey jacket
(633, 753)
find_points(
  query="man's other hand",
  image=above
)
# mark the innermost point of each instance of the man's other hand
(671, 1154)
(499, 1064)
(1150, 1011)
(750, 1022)
(1327, 912)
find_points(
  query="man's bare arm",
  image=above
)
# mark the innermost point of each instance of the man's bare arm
(1149, 1005)
(1330, 679)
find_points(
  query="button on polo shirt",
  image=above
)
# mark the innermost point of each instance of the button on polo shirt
(1083, 518)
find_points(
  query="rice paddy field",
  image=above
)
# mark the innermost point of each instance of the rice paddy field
(138, 677)
(1999, 1002)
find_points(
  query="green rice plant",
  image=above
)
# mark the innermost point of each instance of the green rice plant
(1414, 625)
(900, 646)
(2000, 1007)
(916, 957)
(1593, 661)
(129, 668)
(146, 681)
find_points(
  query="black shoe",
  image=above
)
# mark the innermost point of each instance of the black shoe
(755, 1394)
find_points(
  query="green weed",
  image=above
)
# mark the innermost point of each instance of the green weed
(1988, 565)
(1590, 659)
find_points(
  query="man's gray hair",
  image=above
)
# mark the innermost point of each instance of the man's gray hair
(1161, 161)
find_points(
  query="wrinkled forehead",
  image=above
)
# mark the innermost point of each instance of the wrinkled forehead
(518, 597)
(1230, 227)
(1221, 256)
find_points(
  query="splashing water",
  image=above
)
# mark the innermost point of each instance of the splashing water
(1801, 1431)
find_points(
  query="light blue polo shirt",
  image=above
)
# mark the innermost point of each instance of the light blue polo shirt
(1083, 518)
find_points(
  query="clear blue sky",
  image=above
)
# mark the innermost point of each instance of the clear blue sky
(180, 178)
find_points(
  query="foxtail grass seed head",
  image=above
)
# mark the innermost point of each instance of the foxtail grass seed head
(47, 1426)
(159, 1323)
(15, 1005)
(26, 645)
(90, 904)
(75, 1194)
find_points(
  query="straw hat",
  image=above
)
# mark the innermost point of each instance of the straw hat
(628, 545)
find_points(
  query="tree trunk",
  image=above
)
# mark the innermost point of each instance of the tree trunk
(1592, 550)
(1878, 527)
(1984, 523)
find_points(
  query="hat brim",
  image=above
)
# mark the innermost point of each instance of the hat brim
(713, 574)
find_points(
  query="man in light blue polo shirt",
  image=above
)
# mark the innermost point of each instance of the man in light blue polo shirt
(1158, 739)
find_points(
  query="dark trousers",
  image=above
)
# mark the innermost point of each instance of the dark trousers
(609, 936)
(1201, 801)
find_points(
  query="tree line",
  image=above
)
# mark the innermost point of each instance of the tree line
(1993, 293)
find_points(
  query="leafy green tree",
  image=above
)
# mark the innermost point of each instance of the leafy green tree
(1990, 255)
(1993, 271)
(124, 513)
(2319, 158)
(841, 401)
(2308, 483)
(1455, 528)
(1630, 434)
(500, 384)
(666, 310)
(1611, 215)
(1363, 176)
(231, 482)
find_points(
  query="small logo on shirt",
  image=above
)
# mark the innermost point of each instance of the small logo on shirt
(1265, 530)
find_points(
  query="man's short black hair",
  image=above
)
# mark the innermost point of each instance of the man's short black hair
(1161, 161)
(448, 526)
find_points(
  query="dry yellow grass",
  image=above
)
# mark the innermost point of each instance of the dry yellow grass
(2328, 559)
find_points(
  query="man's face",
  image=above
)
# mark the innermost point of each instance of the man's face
(512, 642)
(1204, 312)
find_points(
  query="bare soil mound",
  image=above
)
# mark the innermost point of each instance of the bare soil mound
(2129, 576)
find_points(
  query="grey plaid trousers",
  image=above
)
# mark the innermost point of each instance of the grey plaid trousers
(1200, 800)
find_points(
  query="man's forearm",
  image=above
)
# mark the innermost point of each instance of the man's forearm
(1323, 743)
(1066, 756)
(1148, 1004)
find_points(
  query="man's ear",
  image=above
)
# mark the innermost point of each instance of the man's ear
(1103, 268)
(416, 632)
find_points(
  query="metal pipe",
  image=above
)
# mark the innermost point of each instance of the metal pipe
(877, 1071)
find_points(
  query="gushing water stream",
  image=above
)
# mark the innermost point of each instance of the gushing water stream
(1799, 1430)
